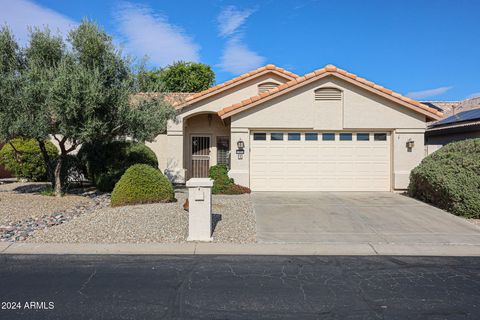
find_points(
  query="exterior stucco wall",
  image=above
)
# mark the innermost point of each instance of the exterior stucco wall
(228, 97)
(159, 146)
(358, 110)
(177, 148)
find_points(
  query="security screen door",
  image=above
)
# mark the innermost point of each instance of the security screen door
(200, 156)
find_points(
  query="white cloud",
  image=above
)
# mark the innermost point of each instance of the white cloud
(428, 93)
(146, 33)
(473, 95)
(230, 19)
(21, 14)
(237, 58)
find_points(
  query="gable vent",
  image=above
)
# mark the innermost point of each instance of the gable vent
(264, 87)
(329, 94)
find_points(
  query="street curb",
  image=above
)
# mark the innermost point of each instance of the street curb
(315, 249)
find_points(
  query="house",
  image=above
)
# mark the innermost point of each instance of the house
(460, 126)
(328, 130)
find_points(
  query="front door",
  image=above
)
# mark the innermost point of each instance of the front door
(200, 157)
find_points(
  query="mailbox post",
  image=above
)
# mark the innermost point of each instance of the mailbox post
(200, 209)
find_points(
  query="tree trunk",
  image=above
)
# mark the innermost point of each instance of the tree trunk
(47, 161)
(58, 176)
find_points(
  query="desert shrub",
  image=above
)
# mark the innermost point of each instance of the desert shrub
(106, 162)
(450, 178)
(142, 183)
(27, 161)
(222, 183)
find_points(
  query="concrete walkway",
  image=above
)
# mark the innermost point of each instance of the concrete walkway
(379, 218)
(304, 249)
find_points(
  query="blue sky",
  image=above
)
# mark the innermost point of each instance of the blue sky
(427, 49)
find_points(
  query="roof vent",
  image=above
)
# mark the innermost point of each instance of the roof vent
(264, 87)
(328, 94)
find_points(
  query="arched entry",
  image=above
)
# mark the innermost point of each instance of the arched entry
(206, 143)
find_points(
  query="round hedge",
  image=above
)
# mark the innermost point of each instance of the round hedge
(142, 183)
(107, 162)
(28, 163)
(450, 178)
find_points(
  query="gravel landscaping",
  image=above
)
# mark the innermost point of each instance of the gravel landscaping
(162, 222)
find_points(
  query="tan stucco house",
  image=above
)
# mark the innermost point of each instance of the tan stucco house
(328, 130)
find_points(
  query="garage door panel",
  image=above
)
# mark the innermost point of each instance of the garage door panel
(320, 165)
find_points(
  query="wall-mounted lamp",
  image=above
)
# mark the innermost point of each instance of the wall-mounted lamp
(410, 144)
(240, 144)
(210, 118)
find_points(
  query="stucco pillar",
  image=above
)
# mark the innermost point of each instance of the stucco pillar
(406, 159)
(175, 169)
(239, 166)
(200, 209)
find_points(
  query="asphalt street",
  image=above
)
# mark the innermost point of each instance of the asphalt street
(239, 287)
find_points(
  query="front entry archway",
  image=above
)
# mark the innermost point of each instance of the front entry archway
(207, 143)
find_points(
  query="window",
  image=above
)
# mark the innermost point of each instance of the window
(223, 148)
(363, 136)
(345, 137)
(260, 136)
(311, 136)
(277, 136)
(293, 136)
(328, 136)
(264, 87)
(380, 137)
(328, 94)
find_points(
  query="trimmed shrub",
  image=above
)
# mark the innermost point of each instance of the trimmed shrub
(222, 183)
(28, 161)
(142, 183)
(106, 163)
(450, 178)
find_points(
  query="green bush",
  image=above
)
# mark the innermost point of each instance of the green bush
(142, 183)
(28, 161)
(450, 178)
(222, 184)
(106, 162)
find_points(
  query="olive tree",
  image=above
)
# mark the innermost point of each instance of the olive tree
(77, 92)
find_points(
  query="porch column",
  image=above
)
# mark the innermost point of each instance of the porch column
(240, 165)
(175, 169)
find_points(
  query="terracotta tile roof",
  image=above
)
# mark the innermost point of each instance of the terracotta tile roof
(269, 67)
(329, 69)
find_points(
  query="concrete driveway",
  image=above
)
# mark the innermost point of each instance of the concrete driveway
(356, 217)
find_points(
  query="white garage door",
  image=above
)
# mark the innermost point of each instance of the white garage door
(320, 161)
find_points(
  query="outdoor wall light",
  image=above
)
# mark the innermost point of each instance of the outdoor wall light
(410, 144)
(240, 144)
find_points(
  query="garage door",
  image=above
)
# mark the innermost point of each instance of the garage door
(320, 161)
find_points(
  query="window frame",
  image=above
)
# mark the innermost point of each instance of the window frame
(380, 134)
(260, 133)
(363, 134)
(311, 133)
(275, 133)
(345, 134)
(332, 134)
(294, 133)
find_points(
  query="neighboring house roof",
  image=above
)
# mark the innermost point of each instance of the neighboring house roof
(174, 98)
(450, 108)
(462, 119)
(320, 73)
(235, 81)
